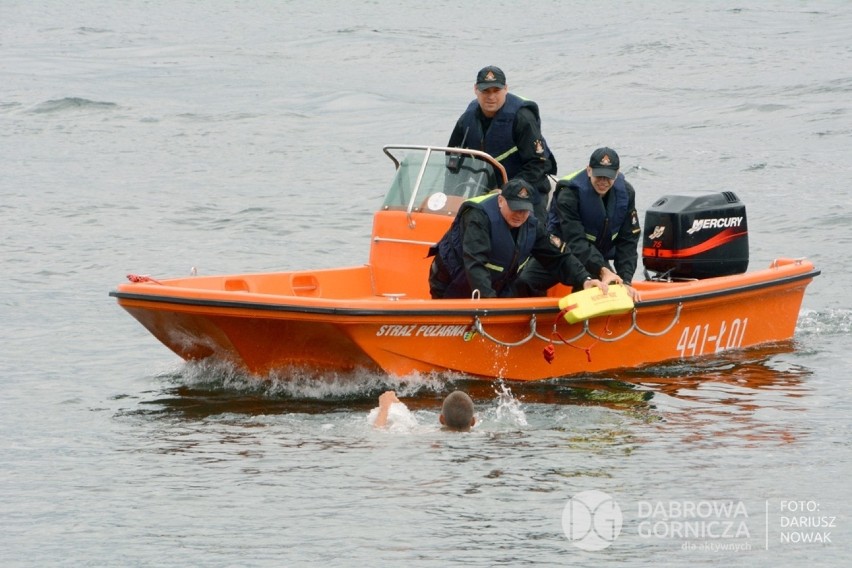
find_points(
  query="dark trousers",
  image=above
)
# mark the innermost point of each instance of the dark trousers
(535, 280)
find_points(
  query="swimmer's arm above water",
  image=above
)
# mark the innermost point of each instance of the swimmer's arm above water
(385, 401)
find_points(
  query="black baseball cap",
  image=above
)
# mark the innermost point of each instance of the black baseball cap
(489, 77)
(518, 195)
(604, 163)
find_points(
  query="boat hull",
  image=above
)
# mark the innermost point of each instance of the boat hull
(331, 321)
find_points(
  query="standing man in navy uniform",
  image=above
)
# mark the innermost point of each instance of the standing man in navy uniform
(593, 213)
(508, 128)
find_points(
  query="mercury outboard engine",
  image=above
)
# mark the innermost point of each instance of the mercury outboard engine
(692, 237)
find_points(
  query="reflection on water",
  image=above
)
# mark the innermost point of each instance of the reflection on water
(762, 367)
(744, 394)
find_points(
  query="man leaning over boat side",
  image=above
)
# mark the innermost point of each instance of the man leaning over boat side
(507, 127)
(593, 211)
(488, 242)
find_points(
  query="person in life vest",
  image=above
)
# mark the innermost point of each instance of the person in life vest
(489, 241)
(593, 212)
(508, 128)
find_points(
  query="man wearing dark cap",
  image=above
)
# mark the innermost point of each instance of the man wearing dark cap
(488, 242)
(508, 128)
(593, 212)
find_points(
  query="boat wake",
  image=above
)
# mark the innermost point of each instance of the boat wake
(207, 388)
(824, 322)
(199, 390)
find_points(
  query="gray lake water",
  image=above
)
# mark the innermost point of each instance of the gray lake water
(154, 137)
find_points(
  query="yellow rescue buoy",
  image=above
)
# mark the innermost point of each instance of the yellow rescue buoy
(593, 303)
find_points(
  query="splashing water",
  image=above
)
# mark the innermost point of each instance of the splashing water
(301, 384)
(400, 418)
(508, 409)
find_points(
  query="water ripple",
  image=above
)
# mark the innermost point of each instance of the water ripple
(71, 104)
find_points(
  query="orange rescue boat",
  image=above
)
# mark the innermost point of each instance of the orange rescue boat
(380, 317)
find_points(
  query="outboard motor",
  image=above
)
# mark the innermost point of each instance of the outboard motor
(692, 237)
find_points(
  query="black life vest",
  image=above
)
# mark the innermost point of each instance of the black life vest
(601, 224)
(498, 141)
(506, 255)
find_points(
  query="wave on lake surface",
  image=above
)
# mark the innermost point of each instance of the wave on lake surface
(71, 104)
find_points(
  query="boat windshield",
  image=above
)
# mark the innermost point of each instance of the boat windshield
(436, 180)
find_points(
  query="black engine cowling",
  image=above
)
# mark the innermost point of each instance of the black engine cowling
(696, 236)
